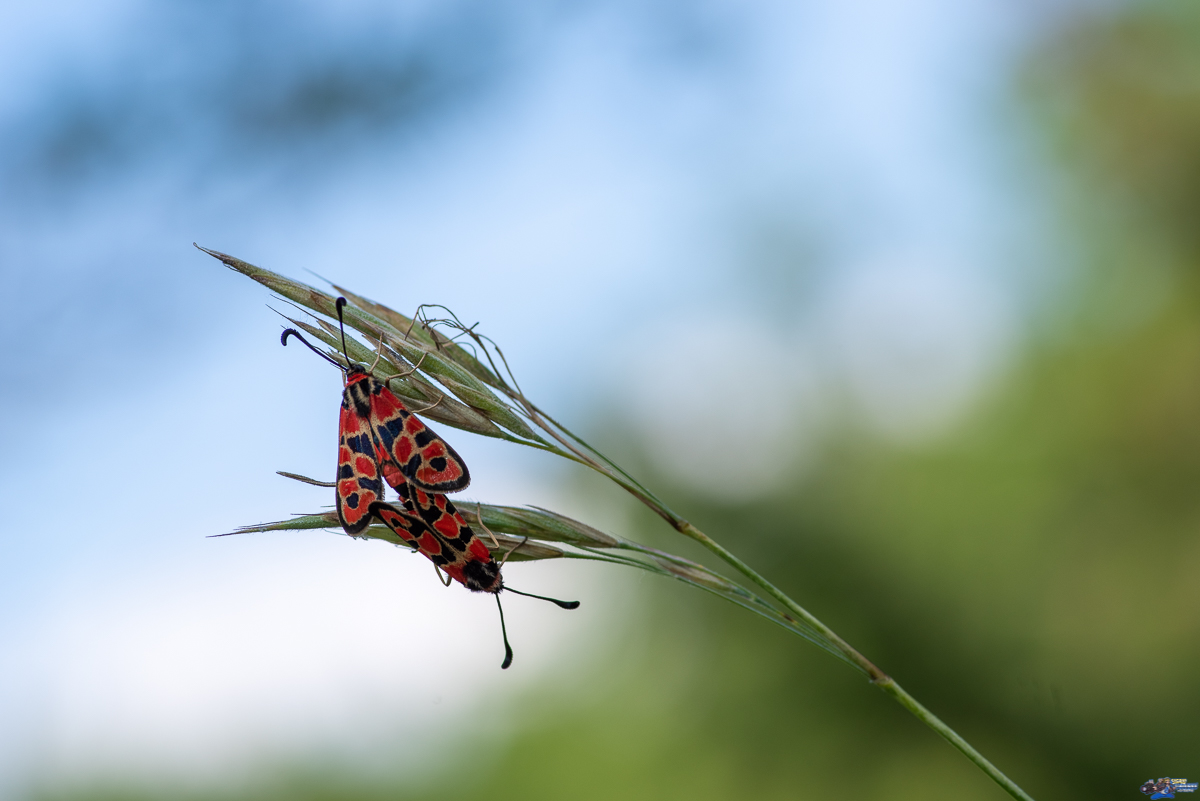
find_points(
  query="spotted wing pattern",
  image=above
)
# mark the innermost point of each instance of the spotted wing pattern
(358, 481)
(468, 560)
(411, 529)
(422, 456)
(415, 450)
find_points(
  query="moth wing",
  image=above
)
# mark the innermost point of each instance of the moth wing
(419, 454)
(411, 529)
(358, 477)
(468, 560)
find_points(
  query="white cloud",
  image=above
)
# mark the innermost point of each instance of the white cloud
(916, 338)
(721, 402)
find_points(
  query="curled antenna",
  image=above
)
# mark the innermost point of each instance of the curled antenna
(288, 332)
(563, 604)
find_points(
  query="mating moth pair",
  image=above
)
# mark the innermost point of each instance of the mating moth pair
(379, 440)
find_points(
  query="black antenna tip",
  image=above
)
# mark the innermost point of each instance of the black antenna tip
(289, 332)
(562, 604)
(340, 303)
(504, 634)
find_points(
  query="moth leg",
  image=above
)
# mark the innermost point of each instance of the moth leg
(430, 406)
(388, 381)
(479, 517)
(378, 353)
(511, 550)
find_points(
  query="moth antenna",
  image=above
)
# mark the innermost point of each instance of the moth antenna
(563, 604)
(504, 633)
(306, 479)
(288, 332)
(342, 325)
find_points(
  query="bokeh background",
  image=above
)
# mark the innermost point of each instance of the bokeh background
(898, 301)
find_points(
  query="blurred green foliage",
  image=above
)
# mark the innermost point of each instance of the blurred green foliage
(1034, 578)
(1124, 96)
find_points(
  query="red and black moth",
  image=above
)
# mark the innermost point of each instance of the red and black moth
(380, 440)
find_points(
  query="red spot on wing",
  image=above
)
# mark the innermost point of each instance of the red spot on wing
(352, 516)
(429, 544)
(403, 448)
(350, 423)
(447, 526)
(385, 404)
(421, 497)
(364, 465)
(479, 551)
(426, 475)
(392, 475)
